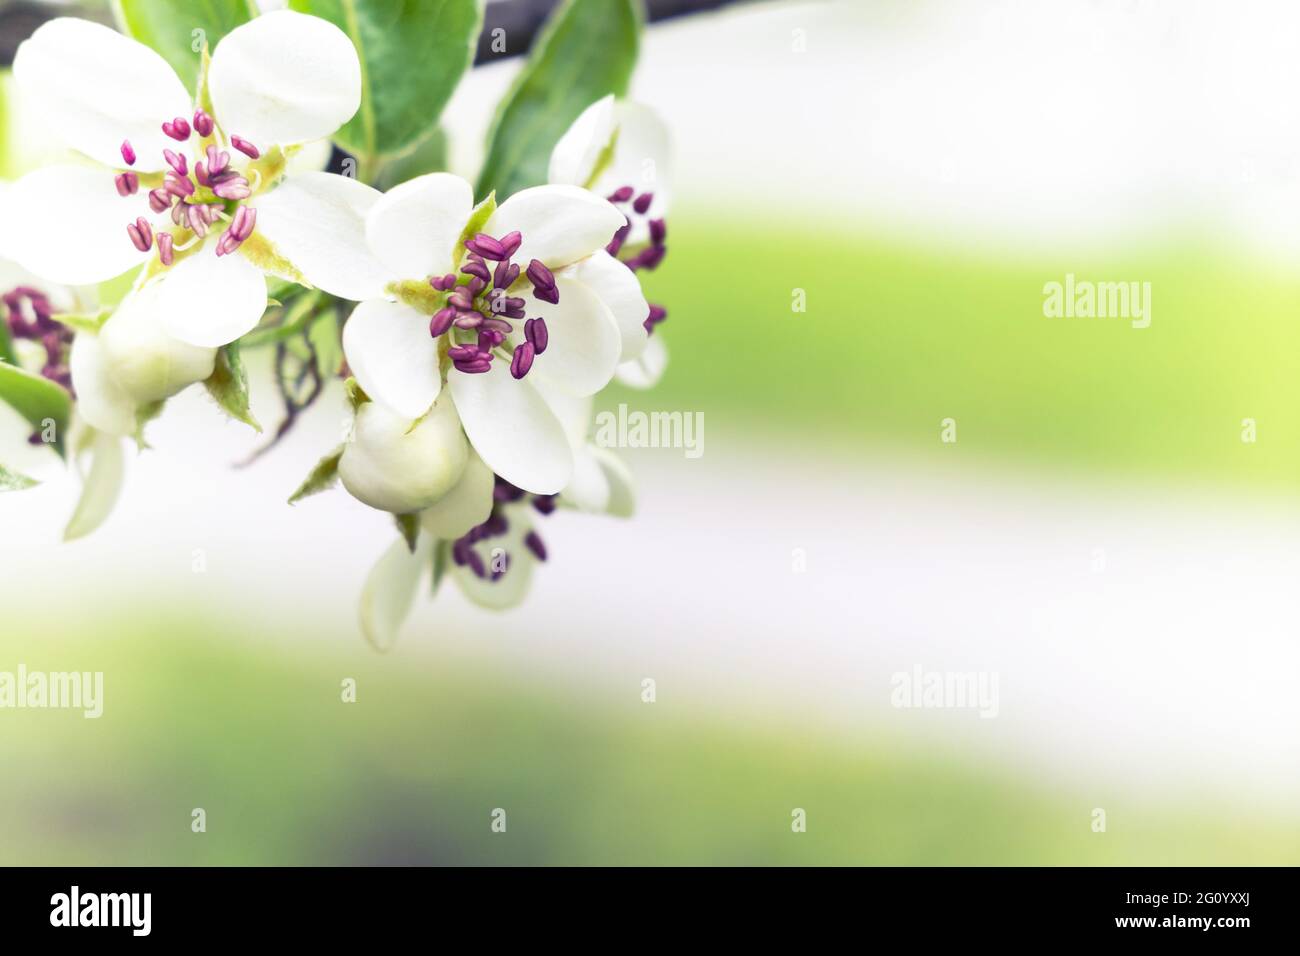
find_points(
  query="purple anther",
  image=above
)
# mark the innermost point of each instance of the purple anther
(510, 243)
(497, 325)
(235, 187)
(544, 503)
(176, 162)
(197, 220)
(460, 300)
(127, 184)
(534, 543)
(658, 231)
(128, 153)
(477, 268)
(178, 129)
(536, 333)
(243, 222)
(620, 237)
(622, 194)
(488, 339)
(487, 247)
(464, 353)
(178, 186)
(522, 360)
(202, 123)
(505, 274)
(218, 160)
(441, 321)
(475, 562)
(141, 234)
(657, 314)
(165, 254)
(647, 258)
(245, 147)
(468, 320)
(642, 203)
(543, 281)
(443, 283)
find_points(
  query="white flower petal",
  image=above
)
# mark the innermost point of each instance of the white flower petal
(572, 411)
(574, 157)
(392, 355)
(100, 488)
(311, 157)
(559, 224)
(642, 160)
(465, 506)
(413, 228)
(395, 467)
(583, 340)
(94, 88)
(68, 225)
(589, 489)
(622, 489)
(646, 370)
(284, 78)
(389, 591)
(512, 429)
(317, 222)
(100, 400)
(620, 291)
(210, 300)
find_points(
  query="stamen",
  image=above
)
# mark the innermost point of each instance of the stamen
(622, 194)
(178, 163)
(127, 184)
(244, 222)
(245, 147)
(534, 544)
(141, 234)
(543, 281)
(177, 129)
(178, 186)
(643, 203)
(505, 274)
(536, 333)
(510, 243)
(522, 360)
(235, 187)
(159, 200)
(128, 153)
(657, 314)
(165, 255)
(476, 267)
(441, 321)
(658, 231)
(202, 123)
(487, 247)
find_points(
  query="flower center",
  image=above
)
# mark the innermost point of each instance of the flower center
(199, 198)
(480, 311)
(464, 549)
(635, 208)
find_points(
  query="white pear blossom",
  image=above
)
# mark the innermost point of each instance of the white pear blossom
(620, 149)
(489, 307)
(207, 190)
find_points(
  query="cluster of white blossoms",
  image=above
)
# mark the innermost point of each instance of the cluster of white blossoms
(481, 331)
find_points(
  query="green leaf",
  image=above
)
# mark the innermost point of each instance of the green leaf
(13, 481)
(38, 400)
(7, 353)
(429, 155)
(321, 478)
(178, 29)
(586, 51)
(412, 56)
(356, 394)
(409, 526)
(228, 384)
(441, 558)
(325, 342)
